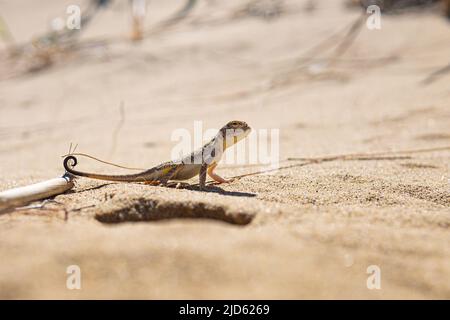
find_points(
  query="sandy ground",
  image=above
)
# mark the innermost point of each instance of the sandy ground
(307, 231)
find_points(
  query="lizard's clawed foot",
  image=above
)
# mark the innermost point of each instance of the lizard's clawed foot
(223, 180)
(177, 185)
(157, 183)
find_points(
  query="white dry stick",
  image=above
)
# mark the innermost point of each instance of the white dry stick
(21, 196)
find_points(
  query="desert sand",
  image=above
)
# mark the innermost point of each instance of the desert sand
(306, 231)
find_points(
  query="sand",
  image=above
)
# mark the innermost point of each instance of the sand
(308, 231)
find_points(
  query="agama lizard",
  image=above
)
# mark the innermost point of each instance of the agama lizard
(200, 162)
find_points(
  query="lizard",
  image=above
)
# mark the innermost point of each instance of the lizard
(200, 162)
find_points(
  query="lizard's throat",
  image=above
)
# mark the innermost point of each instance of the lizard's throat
(230, 141)
(226, 143)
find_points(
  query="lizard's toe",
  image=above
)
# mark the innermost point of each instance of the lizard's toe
(225, 181)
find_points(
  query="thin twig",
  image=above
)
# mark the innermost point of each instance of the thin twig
(329, 42)
(82, 208)
(354, 156)
(436, 75)
(348, 39)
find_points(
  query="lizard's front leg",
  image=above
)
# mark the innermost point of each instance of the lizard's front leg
(202, 176)
(215, 176)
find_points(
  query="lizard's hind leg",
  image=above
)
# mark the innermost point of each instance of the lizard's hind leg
(168, 175)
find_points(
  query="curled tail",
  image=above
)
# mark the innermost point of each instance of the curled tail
(138, 177)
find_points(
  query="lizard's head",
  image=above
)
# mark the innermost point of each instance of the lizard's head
(234, 131)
